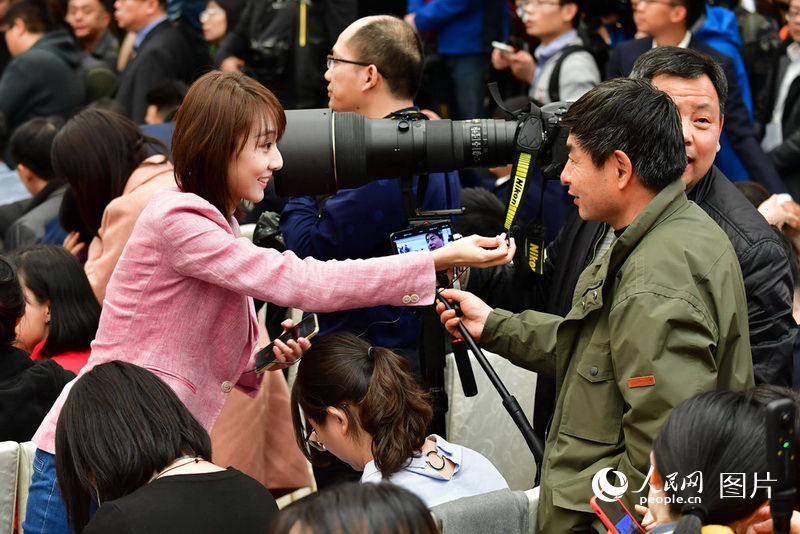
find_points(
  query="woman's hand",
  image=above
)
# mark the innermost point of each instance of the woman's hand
(648, 522)
(291, 351)
(73, 244)
(474, 251)
(473, 313)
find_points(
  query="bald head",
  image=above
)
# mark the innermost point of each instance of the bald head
(392, 46)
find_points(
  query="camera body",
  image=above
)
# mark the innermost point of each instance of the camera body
(324, 151)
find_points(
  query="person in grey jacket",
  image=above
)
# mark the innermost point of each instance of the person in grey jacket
(30, 148)
(43, 76)
(554, 24)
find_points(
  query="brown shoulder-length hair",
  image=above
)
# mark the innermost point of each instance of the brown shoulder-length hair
(213, 125)
(342, 370)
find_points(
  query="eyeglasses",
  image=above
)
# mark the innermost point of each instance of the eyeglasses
(538, 4)
(318, 445)
(644, 3)
(332, 61)
(792, 15)
(208, 13)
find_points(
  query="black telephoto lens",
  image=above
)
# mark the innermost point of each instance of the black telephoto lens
(324, 151)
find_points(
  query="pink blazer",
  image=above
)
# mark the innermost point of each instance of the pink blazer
(180, 304)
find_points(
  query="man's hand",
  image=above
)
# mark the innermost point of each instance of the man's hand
(473, 313)
(500, 60)
(474, 251)
(231, 64)
(520, 62)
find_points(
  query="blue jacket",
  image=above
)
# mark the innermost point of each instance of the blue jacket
(356, 223)
(720, 30)
(458, 23)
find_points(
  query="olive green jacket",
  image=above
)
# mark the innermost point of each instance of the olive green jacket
(657, 319)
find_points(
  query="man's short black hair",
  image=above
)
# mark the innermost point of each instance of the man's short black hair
(395, 48)
(636, 118)
(694, 10)
(578, 14)
(31, 142)
(35, 14)
(682, 63)
(166, 97)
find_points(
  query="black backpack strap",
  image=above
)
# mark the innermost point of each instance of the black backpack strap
(553, 89)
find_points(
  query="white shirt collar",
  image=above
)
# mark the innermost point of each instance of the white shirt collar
(684, 42)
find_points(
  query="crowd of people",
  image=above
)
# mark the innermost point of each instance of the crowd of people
(661, 317)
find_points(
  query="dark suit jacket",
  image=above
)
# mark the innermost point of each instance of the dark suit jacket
(164, 54)
(737, 122)
(785, 156)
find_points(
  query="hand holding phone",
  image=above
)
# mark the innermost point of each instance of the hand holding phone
(615, 516)
(503, 47)
(307, 328)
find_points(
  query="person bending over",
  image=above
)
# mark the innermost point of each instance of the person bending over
(363, 405)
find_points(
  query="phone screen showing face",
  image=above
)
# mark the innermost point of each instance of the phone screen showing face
(616, 517)
(425, 237)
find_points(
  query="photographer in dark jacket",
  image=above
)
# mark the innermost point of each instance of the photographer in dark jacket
(697, 84)
(283, 45)
(778, 109)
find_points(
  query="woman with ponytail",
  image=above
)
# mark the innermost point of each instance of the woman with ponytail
(712, 434)
(364, 407)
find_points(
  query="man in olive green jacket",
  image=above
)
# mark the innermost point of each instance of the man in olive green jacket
(658, 318)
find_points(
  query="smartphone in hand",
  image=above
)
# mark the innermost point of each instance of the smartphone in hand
(504, 47)
(307, 328)
(616, 517)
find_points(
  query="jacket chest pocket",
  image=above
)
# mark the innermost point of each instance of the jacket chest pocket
(592, 404)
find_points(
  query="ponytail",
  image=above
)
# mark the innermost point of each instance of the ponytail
(376, 390)
(396, 412)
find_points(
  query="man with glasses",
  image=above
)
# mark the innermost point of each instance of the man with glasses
(668, 22)
(778, 111)
(374, 69)
(553, 22)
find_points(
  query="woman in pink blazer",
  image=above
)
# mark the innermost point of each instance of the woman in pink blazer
(179, 302)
